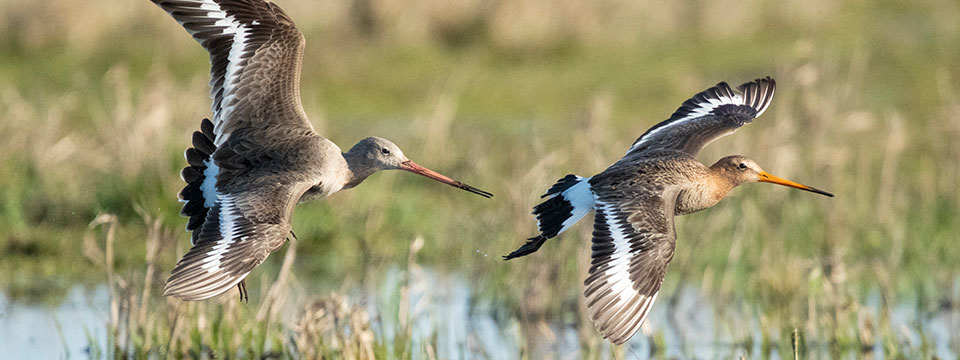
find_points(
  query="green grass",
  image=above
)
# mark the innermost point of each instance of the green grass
(94, 120)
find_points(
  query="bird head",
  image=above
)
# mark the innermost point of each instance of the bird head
(740, 169)
(374, 153)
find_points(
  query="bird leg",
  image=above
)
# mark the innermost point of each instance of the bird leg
(242, 286)
(533, 244)
(293, 235)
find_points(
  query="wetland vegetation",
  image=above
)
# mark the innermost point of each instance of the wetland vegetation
(98, 101)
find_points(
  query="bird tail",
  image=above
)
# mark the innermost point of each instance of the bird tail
(568, 201)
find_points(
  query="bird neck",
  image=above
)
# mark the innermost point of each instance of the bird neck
(703, 194)
(359, 167)
(720, 183)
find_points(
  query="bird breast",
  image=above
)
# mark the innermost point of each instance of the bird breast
(321, 189)
(699, 195)
(328, 170)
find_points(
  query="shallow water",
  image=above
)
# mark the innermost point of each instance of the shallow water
(41, 332)
(443, 310)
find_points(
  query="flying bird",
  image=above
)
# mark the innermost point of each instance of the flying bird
(259, 155)
(636, 199)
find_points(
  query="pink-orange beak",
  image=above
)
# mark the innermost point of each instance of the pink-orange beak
(766, 177)
(417, 169)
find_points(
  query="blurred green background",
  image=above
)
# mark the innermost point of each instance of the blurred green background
(98, 101)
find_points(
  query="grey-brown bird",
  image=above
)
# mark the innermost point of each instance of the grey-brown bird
(260, 155)
(636, 199)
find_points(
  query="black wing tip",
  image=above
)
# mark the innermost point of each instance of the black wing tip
(766, 80)
(720, 86)
(696, 102)
(758, 94)
(766, 84)
(206, 126)
(243, 11)
(720, 100)
(755, 96)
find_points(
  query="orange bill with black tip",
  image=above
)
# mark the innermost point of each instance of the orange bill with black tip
(766, 177)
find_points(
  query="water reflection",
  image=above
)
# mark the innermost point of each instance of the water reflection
(691, 326)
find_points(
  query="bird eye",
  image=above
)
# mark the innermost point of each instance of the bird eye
(742, 166)
(385, 151)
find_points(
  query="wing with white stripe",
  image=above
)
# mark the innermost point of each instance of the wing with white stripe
(239, 231)
(633, 243)
(255, 55)
(707, 116)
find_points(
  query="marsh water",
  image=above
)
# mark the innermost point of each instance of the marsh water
(442, 309)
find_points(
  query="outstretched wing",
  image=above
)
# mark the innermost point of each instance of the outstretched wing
(240, 230)
(633, 242)
(707, 116)
(255, 55)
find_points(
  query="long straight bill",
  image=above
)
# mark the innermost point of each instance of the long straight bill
(417, 169)
(766, 177)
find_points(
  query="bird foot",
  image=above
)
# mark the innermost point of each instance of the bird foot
(242, 286)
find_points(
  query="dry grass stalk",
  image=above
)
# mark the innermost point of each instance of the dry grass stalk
(275, 298)
(795, 343)
(334, 324)
(104, 258)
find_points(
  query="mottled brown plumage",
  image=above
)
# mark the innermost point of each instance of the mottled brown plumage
(259, 155)
(636, 199)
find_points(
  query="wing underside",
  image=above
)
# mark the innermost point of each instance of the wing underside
(240, 230)
(633, 243)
